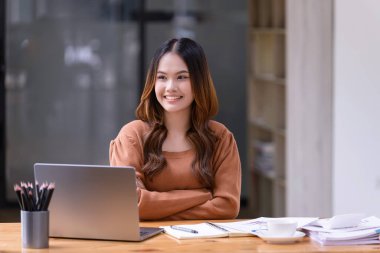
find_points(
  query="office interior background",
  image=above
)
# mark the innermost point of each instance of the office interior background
(297, 81)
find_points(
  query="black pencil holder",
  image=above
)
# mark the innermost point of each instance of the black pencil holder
(35, 229)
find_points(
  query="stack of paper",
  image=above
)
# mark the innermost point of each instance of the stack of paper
(255, 225)
(365, 232)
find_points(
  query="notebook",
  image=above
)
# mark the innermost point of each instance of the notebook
(93, 202)
(203, 230)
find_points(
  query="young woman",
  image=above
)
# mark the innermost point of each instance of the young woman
(187, 165)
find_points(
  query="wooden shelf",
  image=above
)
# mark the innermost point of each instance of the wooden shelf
(267, 30)
(267, 174)
(269, 78)
(267, 105)
(281, 182)
(259, 122)
(281, 132)
(267, 13)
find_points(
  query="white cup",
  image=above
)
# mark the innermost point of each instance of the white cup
(282, 227)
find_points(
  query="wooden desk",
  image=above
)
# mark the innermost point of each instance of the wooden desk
(10, 241)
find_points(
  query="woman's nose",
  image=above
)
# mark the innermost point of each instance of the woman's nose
(171, 85)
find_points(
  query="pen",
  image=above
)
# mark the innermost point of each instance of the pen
(218, 227)
(256, 230)
(184, 229)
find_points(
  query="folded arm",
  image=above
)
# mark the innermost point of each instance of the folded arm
(126, 151)
(225, 202)
(158, 205)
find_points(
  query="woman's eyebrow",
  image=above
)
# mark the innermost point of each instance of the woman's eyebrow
(179, 72)
(183, 72)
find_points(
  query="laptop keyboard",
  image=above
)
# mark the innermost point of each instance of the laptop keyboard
(142, 233)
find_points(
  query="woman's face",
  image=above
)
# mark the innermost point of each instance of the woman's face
(173, 86)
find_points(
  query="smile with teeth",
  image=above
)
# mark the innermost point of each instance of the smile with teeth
(172, 98)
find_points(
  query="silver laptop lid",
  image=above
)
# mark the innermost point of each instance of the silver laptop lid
(91, 201)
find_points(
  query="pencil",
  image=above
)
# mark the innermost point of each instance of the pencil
(34, 198)
(50, 191)
(37, 190)
(31, 201)
(23, 188)
(17, 189)
(24, 201)
(30, 186)
(42, 197)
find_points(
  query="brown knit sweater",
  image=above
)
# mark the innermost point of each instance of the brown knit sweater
(176, 193)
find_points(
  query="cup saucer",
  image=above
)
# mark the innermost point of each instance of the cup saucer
(270, 238)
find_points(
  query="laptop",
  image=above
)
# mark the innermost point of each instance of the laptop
(93, 202)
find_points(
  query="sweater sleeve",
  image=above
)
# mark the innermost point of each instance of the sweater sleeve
(225, 202)
(127, 150)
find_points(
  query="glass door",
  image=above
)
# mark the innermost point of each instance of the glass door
(71, 81)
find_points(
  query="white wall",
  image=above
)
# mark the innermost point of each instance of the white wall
(356, 134)
(309, 82)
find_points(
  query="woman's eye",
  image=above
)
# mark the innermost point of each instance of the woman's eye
(182, 77)
(161, 77)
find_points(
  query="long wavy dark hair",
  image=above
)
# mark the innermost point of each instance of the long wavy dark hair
(203, 108)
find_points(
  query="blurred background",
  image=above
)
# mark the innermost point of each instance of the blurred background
(297, 80)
